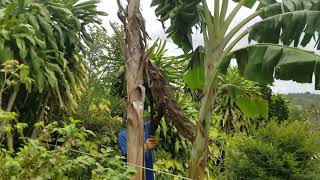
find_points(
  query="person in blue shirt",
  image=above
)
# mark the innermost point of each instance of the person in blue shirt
(149, 145)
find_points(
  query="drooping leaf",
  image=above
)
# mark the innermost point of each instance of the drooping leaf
(265, 62)
(27, 36)
(37, 65)
(287, 22)
(45, 26)
(184, 15)
(253, 107)
(6, 34)
(62, 11)
(6, 54)
(195, 77)
(26, 28)
(41, 43)
(42, 10)
(2, 13)
(22, 48)
(34, 22)
(2, 42)
(46, 36)
(25, 77)
(61, 36)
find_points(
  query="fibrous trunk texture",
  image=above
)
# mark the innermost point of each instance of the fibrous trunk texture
(134, 50)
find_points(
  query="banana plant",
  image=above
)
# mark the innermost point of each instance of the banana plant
(171, 67)
(50, 38)
(239, 103)
(282, 28)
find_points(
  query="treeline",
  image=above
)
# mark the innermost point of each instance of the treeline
(305, 100)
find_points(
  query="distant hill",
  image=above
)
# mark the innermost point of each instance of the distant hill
(305, 100)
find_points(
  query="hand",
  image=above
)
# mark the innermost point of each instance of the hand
(150, 144)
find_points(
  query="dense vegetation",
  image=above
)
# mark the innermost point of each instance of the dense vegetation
(63, 101)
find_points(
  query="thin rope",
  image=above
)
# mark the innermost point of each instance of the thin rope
(134, 165)
(162, 172)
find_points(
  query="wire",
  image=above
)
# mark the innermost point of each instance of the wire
(129, 164)
(177, 176)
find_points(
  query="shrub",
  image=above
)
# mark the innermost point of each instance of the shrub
(285, 151)
(66, 152)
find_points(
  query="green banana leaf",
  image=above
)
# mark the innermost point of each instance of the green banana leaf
(266, 62)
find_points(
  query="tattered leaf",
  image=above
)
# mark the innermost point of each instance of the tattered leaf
(265, 62)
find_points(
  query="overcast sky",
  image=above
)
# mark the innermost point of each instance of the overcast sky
(155, 31)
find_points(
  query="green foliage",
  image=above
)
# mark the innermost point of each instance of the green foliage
(169, 165)
(173, 151)
(305, 107)
(239, 103)
(100, 109)
(279, 108)
(66, 152)
(49, 38)
(13, 75)
(183, 15)
(278, 104)
(286, 151)
(171, 67)
(288, 21)
(258, 63)
(194, 77)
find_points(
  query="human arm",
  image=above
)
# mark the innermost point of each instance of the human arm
(122, 142)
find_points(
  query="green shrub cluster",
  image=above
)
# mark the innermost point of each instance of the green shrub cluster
(275, 151)
(63, 151)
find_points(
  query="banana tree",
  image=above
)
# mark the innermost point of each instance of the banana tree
(273, 54)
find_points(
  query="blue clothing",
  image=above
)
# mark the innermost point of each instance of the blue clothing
(122, 141)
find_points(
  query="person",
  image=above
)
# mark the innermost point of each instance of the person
(149, 145)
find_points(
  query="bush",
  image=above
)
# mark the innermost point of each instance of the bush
(66, 152)
(285, 151)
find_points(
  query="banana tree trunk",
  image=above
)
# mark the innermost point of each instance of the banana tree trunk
(199, 153)
(135, 108)
(134, 49)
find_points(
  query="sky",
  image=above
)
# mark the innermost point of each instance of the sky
(155, 31)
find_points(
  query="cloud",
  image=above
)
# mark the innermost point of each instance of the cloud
(155, 31)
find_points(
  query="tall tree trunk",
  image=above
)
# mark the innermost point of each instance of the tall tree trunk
(40, 114)
(199, 153)
(11, 101)
(134, 49)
